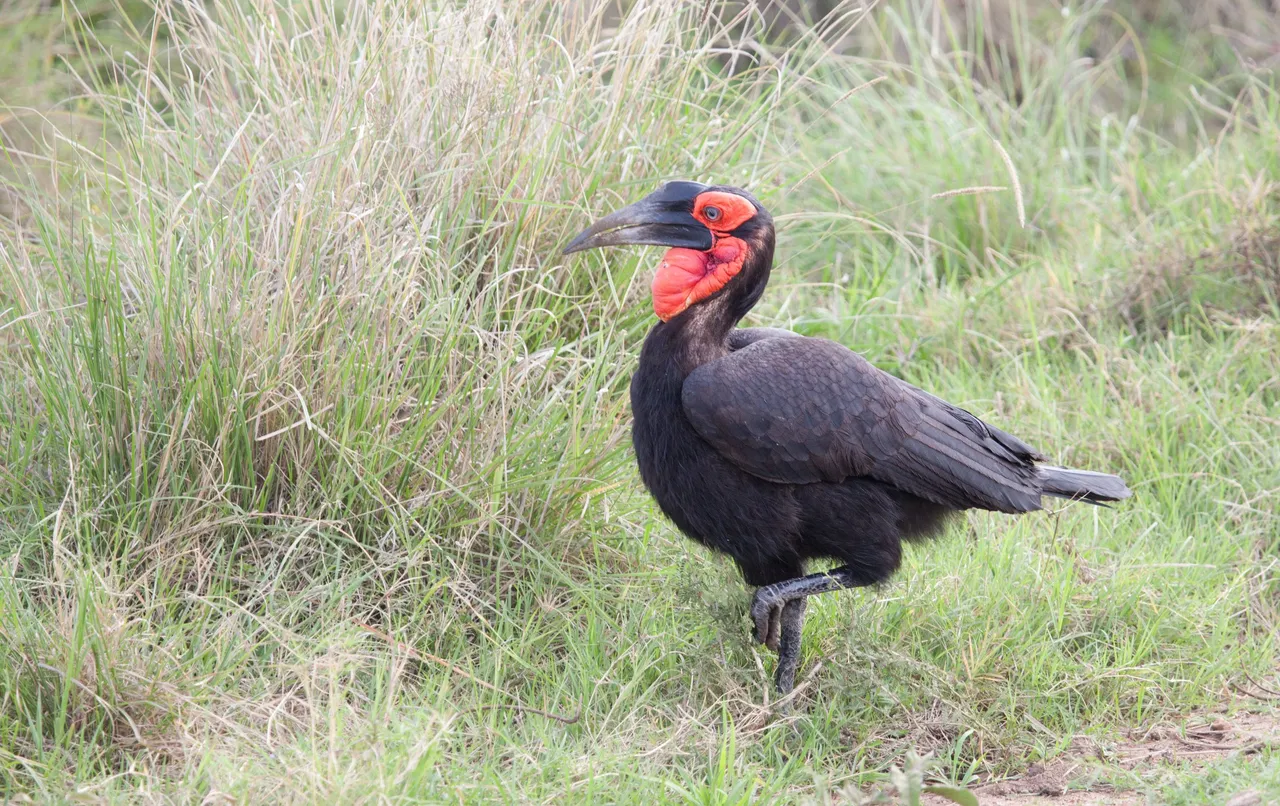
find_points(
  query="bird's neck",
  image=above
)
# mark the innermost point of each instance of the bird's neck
(700, 334)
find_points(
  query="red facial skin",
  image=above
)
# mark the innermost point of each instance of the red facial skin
(687, 276)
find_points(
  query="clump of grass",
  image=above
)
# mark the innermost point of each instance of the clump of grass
(80, 682)
(322, 281)
(955, 174)
(1237, 277)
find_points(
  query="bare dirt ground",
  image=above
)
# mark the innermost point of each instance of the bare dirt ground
(1072, 779)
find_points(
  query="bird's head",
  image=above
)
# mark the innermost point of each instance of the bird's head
(713, 231)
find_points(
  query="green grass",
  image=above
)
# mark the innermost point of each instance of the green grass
(314, 451)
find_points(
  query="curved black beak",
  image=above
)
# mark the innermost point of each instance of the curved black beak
(663, 218)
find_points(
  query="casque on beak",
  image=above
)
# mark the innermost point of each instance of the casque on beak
(663, 218)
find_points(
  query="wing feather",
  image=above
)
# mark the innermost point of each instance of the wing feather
(800, 410)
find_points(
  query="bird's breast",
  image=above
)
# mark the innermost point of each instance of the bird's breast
(707, 497)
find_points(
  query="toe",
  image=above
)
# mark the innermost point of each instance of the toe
(764, 618)
(774, 636)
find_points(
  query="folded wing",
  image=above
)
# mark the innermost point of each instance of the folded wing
(801, 410)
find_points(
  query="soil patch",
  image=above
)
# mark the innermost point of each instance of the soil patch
(1072, 778)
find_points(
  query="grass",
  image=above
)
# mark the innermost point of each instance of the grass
(315, 457)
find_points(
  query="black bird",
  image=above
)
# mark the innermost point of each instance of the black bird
(775, 448)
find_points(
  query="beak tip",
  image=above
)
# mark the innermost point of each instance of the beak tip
(581, 242)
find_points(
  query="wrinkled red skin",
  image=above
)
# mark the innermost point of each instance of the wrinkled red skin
(687, 276)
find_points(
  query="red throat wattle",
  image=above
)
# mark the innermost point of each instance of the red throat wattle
(687, 276)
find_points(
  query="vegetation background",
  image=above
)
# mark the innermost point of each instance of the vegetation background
(315, 483)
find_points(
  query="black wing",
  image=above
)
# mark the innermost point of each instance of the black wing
(802, 410)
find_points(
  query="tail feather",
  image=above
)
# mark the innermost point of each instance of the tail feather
(1082, 485)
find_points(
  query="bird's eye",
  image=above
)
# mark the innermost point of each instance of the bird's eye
(711, 213)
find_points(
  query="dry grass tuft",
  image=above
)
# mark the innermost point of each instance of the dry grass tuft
(1238, 278)
(87, 665)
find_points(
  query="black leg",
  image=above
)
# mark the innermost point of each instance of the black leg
(789, 646)
(778, 613)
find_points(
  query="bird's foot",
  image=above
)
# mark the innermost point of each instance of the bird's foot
(777, 611)
(767, 617)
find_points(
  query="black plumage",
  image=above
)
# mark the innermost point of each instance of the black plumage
(777, 449)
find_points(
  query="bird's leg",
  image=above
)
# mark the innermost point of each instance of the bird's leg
(789, 644)
(778, 613)
(769, 599)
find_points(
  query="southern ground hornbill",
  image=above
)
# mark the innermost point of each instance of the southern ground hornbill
(776, 448)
